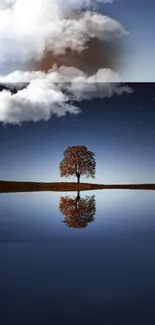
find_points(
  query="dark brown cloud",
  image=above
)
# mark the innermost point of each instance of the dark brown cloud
(96, 55)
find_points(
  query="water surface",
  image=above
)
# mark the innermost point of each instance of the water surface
(98, 266)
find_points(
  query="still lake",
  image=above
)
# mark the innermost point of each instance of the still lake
(98, 266)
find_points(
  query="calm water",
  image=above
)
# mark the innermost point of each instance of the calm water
(72, 260)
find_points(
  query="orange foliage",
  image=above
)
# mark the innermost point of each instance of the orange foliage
(78, 161)
(78, 212)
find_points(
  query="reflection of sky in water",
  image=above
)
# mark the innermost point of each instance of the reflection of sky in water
(27, 216)
(109, 265)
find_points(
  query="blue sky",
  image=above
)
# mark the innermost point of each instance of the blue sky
(120, 130)
(138, 18)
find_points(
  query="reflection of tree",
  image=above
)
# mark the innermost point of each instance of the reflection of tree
(78, 212)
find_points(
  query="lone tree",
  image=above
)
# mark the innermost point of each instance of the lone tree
(78, 161)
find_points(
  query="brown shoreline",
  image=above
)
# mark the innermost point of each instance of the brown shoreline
(14, 187)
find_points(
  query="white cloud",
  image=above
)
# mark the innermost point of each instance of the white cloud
(37, 102)
(53, 93)
(105, 83)
(27, 27)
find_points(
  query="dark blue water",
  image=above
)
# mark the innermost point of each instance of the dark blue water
(97, 267)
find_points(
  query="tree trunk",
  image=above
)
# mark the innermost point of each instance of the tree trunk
(78, 177)
(78, 196)
(77, 200)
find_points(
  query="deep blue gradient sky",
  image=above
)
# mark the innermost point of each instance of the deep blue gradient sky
(120, 130)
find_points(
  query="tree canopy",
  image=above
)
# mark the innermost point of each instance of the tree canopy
(78, 212)
(77, 161)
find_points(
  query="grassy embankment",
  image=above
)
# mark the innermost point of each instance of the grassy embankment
(11, 186)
